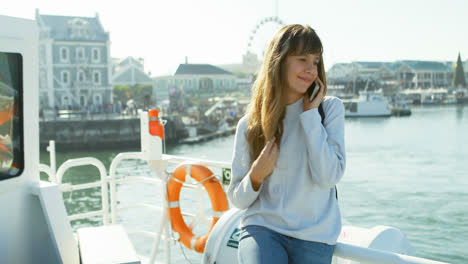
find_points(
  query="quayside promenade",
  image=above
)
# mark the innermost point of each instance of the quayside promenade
(106, 131)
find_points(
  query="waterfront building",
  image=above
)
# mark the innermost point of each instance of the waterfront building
(245, 85)
(340, 72)
(414, 74)
(404, 74)
(130, 71)
(204, 80)
(161, 89)
(355, 76)
(74, 62)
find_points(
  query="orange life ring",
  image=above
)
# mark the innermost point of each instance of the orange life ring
(217, 196)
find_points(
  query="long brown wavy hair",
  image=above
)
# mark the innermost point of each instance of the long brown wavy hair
(267, 107)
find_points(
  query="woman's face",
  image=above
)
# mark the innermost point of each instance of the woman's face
(301, 72)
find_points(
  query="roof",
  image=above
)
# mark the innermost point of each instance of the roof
(200, 69)
(427, 65)
(132, 76)
(395, 66)
(131, 61)
(370, 64)
(61, 27)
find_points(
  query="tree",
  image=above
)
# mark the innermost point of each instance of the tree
(141, 94)
(459, 76)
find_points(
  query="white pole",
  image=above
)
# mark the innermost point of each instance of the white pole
(53, 165)
(161, 232)
(276, 8)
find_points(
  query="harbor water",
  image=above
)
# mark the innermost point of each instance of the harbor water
(407, 172)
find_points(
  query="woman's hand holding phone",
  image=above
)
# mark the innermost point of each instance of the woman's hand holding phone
(314, 100)
(314, 91)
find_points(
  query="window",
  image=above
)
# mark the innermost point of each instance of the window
(80, 53)
(42, 55)
(83, 100)
(97, 99)
(11, 115)
(64, 54)
(78, 28)
(97, 77)
(65, 77)
(80, 77)
(42, 79)
(96, 55)
(65, 101)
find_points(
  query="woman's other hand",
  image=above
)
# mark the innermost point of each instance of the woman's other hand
(264, 165)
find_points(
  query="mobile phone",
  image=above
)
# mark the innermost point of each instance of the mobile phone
(313, 90)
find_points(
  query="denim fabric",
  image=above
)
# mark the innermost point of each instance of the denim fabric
(259, 244)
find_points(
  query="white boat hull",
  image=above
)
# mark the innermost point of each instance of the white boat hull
(369, 104)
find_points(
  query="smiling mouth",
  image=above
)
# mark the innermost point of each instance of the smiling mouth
(307, 80)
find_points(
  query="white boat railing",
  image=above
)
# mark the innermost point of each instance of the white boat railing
(345, 251)
(113, 181)
(375, 256)
(104, 212)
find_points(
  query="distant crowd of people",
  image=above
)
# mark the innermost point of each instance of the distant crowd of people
(90, 111)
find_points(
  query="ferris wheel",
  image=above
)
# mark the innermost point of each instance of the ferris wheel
(262, 32)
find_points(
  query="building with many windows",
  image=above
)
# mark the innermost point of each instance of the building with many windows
(74, 62)
(404, 74)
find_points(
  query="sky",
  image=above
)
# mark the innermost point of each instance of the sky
(217, 32)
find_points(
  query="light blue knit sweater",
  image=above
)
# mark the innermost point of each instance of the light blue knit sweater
(298, 199)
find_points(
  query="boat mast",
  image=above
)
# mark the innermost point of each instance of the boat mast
(276, 8)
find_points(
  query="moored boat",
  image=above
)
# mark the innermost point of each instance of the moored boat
(461, 96)
(369, 104)
(400, 110)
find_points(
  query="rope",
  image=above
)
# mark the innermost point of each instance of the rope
(196, 183)
(183, 253)
(171, 231)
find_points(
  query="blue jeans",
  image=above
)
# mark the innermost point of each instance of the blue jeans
(259, 244)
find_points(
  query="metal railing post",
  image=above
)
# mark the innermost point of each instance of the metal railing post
(53, 165)
(112, 179)
(163, 231)
(103, 173)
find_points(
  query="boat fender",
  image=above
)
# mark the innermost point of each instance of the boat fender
(223, 243)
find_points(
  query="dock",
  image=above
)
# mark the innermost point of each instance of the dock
(398, 110)
(99, 132)
(201, 138)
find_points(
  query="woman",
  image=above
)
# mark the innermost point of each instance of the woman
(286, 162)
